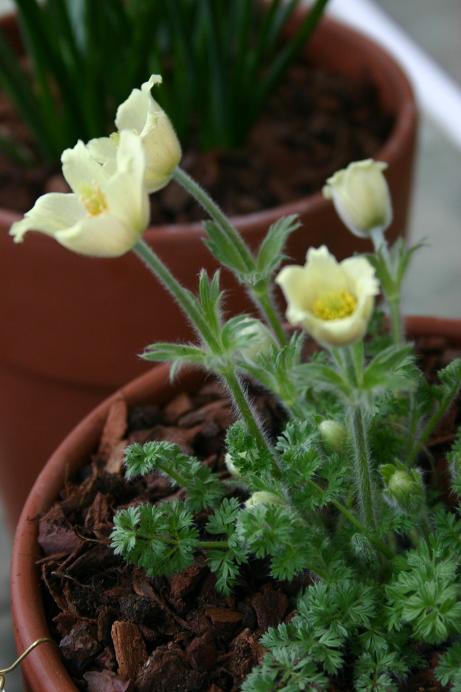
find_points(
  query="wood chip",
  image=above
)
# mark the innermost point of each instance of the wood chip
(130, 650)
(114, 428)
(224, 616)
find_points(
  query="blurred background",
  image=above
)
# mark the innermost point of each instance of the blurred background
(430, 33)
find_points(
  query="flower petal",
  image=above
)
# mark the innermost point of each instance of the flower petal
(126, 195)
(98, 236)
(50, 214)
(321, 278)
(104, 151)
(132, 113)
(80, 169)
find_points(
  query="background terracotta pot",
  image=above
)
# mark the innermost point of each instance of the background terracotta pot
(43, 669)
(72, 326)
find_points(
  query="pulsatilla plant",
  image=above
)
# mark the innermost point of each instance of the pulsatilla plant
(340, 493)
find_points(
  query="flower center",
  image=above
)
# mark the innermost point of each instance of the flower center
(334, 305)
(93, 200)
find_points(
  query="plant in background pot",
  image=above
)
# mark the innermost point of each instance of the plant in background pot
(61, 378)
(316, 526)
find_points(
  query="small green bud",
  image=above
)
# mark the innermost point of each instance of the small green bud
(333, 434)
(404, 487)
(262, 497)
(256, 339)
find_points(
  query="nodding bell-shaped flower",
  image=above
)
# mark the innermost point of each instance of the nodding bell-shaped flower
(361, 197)
(331, 300)
(105, 214)
(141, 114)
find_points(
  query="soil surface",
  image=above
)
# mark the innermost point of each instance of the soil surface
(316, 123)
(120, 630)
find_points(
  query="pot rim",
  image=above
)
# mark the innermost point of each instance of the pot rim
(404, 125)
(45, 664)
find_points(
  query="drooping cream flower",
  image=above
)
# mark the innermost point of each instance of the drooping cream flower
(105, 214)
(331, 300)
(361, 197)
(140, 113)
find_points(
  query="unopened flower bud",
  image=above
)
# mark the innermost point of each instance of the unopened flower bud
(262, 497)
(403, 486)
(361, 197)
(255, 339)
(333, 434)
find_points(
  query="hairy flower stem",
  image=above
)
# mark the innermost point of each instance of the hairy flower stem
(237, 391)
(359, 436)
(395, 314)
(263, 300)
(213, 545)
(179, 293)
(362, 463)
(267, 307)
(352, 519)
(430, 425)
(185, 301)
(390, 287)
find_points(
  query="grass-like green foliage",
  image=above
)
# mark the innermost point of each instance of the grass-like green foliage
(221, 62)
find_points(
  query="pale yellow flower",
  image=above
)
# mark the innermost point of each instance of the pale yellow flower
(140, 113)
(105, 214)
(331, 300)
(361, 196)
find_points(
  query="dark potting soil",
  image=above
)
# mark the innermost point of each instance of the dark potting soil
(120, 630)
(317, 123)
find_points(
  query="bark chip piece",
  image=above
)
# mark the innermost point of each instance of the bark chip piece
(114, 428)
(130, 650)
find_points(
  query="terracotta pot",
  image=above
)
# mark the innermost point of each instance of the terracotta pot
(72, 326)
(43, 669)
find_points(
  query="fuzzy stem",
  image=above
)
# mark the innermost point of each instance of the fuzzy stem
(178, 478)
(396, 319)
(262, 300)
(185, 301)
(209, 205)
(362, 462)
(359, 436)
(430, 426)
(268, 308)
(213, 545)
(352, 519)
(392, 296)
(237, 391)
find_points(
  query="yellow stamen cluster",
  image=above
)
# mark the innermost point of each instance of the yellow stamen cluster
(93, 200)
(334, 305)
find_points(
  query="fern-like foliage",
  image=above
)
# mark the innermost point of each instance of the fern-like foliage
(161, 539)
(204, 489)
